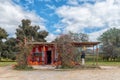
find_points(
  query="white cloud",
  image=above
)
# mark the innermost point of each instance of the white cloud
(12, 14)
(58, 31)
(44, 0)
(51, 6)
(93, 36)
(101, 14)
(77, 2)
(50, 37)
(73, 2)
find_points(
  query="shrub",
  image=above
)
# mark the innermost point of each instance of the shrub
(23, 67)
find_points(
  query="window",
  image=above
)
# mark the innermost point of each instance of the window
(37, 54)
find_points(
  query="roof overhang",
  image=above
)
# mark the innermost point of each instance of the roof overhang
(39, 43)
(86, 44)
(76, 44)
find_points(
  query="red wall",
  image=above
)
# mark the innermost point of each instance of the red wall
(38, 60)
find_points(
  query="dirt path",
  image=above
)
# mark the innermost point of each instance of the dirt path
(107, 73)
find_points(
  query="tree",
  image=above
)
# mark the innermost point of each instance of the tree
(22, 56)
(30, 32)
(79, 37)
(3, 35)
(68, 53)
(111, 36)
(66, 50)
(111, 42)
(26, 31)
(10, 48)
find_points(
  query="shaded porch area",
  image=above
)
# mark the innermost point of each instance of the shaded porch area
(93, 49)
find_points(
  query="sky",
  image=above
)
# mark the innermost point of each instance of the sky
(92, 17)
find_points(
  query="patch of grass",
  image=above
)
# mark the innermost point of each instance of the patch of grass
(109, 63)
(23, 67)
(6, 59)
(66, 67)
(104, 63)
(90, 61)
(7, 63)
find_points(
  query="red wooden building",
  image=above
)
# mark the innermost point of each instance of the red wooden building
(42, 53)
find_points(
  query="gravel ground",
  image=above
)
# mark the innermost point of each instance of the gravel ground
(107, 73)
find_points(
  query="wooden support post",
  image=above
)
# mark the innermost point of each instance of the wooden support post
(44, 54)
(93, 56)
(97, 55)
(56, 56)
(52, 55)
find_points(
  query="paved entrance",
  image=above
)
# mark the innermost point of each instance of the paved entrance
(43, 67)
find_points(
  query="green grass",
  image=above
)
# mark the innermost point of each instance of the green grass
(7, 63)
(109, 63)
(90, 61)
(104, 63)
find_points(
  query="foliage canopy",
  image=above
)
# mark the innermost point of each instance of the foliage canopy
(26, 30)
(111, 44)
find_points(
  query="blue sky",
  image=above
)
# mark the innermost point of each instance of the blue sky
(92, 17)
(46, 9)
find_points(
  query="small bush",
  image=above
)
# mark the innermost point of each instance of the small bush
(66, 67)
(23, 67)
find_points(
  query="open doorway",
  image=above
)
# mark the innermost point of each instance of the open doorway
(49, 57)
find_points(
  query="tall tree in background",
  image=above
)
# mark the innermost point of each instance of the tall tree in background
(3, 35)
(25, 30)
(111, 36)
(79, 37)
(9, 49)
(111, 43)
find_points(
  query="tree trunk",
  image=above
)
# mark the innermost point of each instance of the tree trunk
(0, 56)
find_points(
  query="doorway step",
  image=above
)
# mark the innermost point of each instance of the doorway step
(43, 67)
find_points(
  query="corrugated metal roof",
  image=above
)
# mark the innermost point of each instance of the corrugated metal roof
(87, 44)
